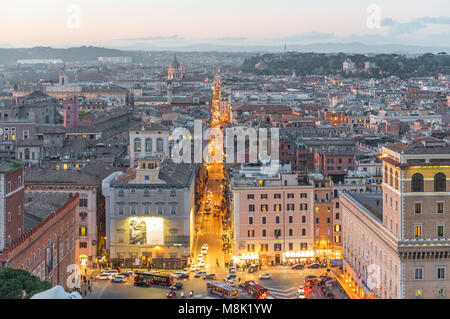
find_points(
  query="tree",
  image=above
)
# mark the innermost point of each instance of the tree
(15, 283)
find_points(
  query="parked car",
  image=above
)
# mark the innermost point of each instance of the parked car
(171, 295)
(176, 275)
(119, 278)
(104, 276)
(265, 276)
(298, 266)
(112, 272)
(210, 277)
(252, 269)
(176, 286)
(314, 266)
(200, 274)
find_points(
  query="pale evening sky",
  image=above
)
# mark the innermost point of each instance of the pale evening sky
(26, 23)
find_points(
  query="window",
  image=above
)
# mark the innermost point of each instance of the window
(264, 208)
(264, 247)
(133, 209)
(251, 208)
(290, 207)
(277, 219)
(120, 209)
(263, 196)
(277, 207)
(250, 220)
(250, 247)
(9, 217)
(303, 246)
(277, 247)
(303, 219)
(148, 145)
(303, 231)
(304, 195)
(418, 231)
(160, 145)
(291, 219)
(291, 246)
(317, 220)
(440, 273)
(137, 144)
(277, 196)
(250, 196)
(121, 192)
(337, 216)
(83, 202)
(251, 233)
(418, 273)
(440, 207)
(146, 192)
(418, 208)
(303, 206)
(290, 196)
(440, 231)
(291, 232)
(264, 220)
(417, 183)
(173, 209)
(441, 292)
(83, 231)
(264, 233)
(277, 233)
(440, 182)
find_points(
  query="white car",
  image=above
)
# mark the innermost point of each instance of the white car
(119, 278)
(177, 275)
(104, 276)
(201, 264)
(200, 257)
(112, 272)
(204, 251)
(265, 276)
(205, 246)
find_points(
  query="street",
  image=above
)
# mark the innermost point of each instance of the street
(283, 285)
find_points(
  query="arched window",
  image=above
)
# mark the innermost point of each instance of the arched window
(391, 177)
(440, 182)
(137, 144)
(160, 145)
(417, 183)
(148, 145)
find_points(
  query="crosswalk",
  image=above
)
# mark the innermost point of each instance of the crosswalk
(277, 293)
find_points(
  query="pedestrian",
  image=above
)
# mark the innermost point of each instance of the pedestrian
(89, 288)
(89, 283)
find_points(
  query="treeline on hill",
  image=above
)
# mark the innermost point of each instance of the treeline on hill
(331, 64)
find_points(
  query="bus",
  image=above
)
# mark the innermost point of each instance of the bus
(222, 290)
(256, 290)
(152, 279)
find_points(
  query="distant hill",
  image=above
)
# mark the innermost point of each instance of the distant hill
(82, 54)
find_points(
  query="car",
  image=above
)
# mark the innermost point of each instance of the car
(314, 266)
(154, 272)
(201, 264)
(200, 274)
(112, 272)
(200, 257)
(193, 269)
(204, 251)
(176, 286)
(104, 276)
(125, 274)
(116, 268)
(130, 273)
(245, 284)
(144, 283)
(298, 266)
(205, 246)
(301, 292)
(265, 276)
(310, 280)
(183, 275)
(210, 277)
(252, 269)
(232, 270)
(171, 294)
(119, 278)
(230, 278)
(177, 275)
(324, 278)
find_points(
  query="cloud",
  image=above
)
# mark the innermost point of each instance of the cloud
(400, 28)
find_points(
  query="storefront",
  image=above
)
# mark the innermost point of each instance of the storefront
(296, 257)
(246, 259)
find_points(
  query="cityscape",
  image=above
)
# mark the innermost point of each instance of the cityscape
(225, 165)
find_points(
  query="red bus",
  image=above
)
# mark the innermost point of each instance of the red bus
(256, 290)
(146, 279)
(222, 290)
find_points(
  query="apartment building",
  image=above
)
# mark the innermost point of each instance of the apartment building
(272, 216)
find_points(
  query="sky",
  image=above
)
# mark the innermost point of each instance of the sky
(62, 23)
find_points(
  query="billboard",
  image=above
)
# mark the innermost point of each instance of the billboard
(146, 231)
